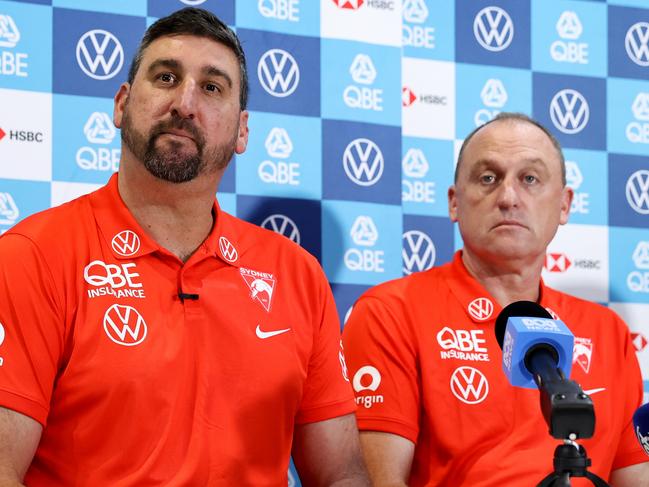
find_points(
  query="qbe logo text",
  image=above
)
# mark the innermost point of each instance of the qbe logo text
(364, 257)
(11, 63)
(277, 169)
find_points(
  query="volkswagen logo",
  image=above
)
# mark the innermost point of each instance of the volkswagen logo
(493, 29)
(636, 43)
(418, 252)
(283, 225)
(637, 191)
(278, 72)
(569, 111)
(100, 54)
(363, 162)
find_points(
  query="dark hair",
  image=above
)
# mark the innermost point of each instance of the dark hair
(516, 117)
(200, 23)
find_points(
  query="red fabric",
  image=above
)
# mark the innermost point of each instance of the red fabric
(189, 394)
(417, 333)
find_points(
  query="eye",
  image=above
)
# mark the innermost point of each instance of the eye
(166, 77)
(213, 88)
(487, 178)
(530, 179)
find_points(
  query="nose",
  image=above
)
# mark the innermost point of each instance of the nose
(184, 101)
(508, 194)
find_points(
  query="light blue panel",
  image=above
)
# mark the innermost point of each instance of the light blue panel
(569, 37)
(127, 7)
(629, 264)
(628, 116)
(227, 202)
(301, 17)
(428, 29)
(485, 91)
(19, 199)
(629, 3)
(367, 83)
(26, 54)
(283, 157)
(587, 174)
(361, 242)
(86, 144)
(427, 172)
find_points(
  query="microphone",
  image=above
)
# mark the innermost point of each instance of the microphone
(537, 353)
(641, 426)
(183, 296)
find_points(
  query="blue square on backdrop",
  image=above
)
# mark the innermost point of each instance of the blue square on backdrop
(361, 162)
(587, 175)
(126, 7)
(288, 17)
(361, 242)
(427, 169)
(224, 9)
(284, 72)
(569, 37)
(21, 199)
(93, 51)
(228, 183)
(368, 87)
(428, 30)
(25, 60)
(629, 272)
(628, 3)
(283, 157)
(227, 202)
(628, 42)
(628, 116)
(346, 296)
(628, 191)
(426, 242)
(484, 91)
(297, 220)
(86, 146)
(573, 108)
(493, 32)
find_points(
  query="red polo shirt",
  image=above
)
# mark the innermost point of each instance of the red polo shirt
(135, 386)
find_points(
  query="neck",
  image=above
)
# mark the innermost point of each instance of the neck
(178, 216)
(508, 280)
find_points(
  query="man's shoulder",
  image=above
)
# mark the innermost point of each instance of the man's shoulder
(579, 311)
(417, 286)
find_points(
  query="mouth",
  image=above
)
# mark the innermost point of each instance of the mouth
(178, 133)
(509, 224)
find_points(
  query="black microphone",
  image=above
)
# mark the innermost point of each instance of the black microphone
(191, 296)
(641, 426)
(537, 352)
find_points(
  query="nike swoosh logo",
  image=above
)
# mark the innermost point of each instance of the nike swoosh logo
(590, 392)
(267, 334)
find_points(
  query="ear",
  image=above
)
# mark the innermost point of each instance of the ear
(452, 203)
(119, 103)
(242, 137)
(566, 201)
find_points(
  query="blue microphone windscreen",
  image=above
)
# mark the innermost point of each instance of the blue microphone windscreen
(641, 426)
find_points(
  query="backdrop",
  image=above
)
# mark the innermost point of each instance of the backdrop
(358, 108)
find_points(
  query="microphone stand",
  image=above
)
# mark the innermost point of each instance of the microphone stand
(570, 460)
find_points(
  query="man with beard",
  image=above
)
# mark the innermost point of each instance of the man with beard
(149, 338)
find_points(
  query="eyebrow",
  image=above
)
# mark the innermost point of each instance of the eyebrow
(177, 65)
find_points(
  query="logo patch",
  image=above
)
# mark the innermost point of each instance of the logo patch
(261, 285)
(228, 251)
(481, 308)
(367, 378)
(582, 353)
(124, 325)
(557, 262)
(469, 385)
(126, 243)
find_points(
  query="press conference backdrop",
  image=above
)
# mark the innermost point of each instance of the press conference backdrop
(358, 108)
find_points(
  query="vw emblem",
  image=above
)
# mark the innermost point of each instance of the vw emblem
(637, 191)
(469, 385)
(100, 54)
(569, 111)
(636, 43)
(278, 72)
(418, 252)
(363, 162)
(283, 225)
(493, 29)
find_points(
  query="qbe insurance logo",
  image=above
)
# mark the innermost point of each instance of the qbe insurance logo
(638, 279)
(587, 175)
(289, 16)
(415, 168)
(361, 94)
(568, 49)
(637, 131)
(371, 21)
(275, 163)
(630, 274)
(9, 211)
(100, 132)
(288, 10)
(415, 31)
(359, 246)
(494, 96)
(11, 63)
(628, 116)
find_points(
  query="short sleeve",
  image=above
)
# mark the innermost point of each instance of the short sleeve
(32, 328)
(383, 361)
(327, 392)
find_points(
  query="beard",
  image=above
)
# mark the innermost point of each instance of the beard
(174, 163)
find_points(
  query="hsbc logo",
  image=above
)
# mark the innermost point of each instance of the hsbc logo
(481, 309)
(574, 178)
(408, 96)
(9, 212)
(637, 191)
(228, 251)
(415, 11)
(9, 33)
(494, 94)
(636, 43)
(362, 69)
(493, 29)
(126, 243)
(462, 344)
(278, 73)
(99, 128)
(415, 164)
(418, 252)
(569, 26)
(100, 54)
(283, 225)
(469, 385)
(557, 262)
(367, 378)
(349, 4)
(364, 231)
(124, 325)
(639, 341)
(569, 111)
(641, 255)
(278, 144)
(363, 162)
